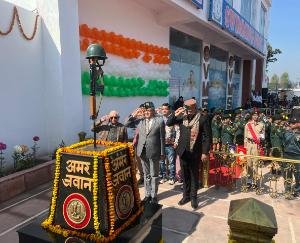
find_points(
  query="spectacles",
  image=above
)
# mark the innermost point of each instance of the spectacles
(114, 117)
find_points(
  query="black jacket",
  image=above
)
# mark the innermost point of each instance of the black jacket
(203, 140)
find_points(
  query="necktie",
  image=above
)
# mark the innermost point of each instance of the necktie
(147, 126)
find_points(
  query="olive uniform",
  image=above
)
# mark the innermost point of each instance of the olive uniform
(227, 132)
(291, 150)
(239, 125)
(276, 133)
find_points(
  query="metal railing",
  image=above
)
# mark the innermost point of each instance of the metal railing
(278, 167)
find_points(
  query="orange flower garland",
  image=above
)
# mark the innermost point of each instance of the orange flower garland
(16, 16)
(95, 196)
(97, 237)
(110, 196)
(123, 46)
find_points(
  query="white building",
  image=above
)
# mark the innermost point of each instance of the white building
(217, 55)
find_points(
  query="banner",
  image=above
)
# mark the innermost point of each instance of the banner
(229, 19)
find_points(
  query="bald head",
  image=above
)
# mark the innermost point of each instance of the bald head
(114, 117)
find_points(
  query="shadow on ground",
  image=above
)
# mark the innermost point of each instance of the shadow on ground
(177, 224)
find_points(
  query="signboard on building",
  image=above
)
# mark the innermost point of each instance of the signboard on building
(216, 11)
(229, 19)
(198, 3)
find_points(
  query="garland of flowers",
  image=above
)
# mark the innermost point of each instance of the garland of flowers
(12, 22)
(111, 203)
(48, 223)
(50, 218)
(113, 233)
(116, 146)
(95, 196)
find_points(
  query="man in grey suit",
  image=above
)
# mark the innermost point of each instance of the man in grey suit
(150, 148)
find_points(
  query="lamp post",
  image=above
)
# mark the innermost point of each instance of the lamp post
(96, 56)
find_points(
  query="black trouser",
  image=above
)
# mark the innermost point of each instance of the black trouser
(189, 163)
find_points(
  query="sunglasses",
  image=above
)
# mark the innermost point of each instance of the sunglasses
(114, 117)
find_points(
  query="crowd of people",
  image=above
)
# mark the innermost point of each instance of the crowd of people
(189, 134)
(273, 100)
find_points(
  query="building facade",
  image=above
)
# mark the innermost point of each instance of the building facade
(213, 50)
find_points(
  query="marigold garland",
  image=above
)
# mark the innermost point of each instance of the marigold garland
(116, 146)
(110, 196)
(50, 218)
(12, 22)
(95, 196)
(97, 236)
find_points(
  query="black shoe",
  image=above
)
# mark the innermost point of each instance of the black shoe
(154, 200)
(147, 199)
(184, 200)
(140, 181)
(194, 203)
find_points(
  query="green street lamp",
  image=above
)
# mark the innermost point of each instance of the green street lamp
(96, 56)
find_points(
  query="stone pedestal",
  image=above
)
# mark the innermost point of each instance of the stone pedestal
(146, 228)
(251, 221)
(95, 194)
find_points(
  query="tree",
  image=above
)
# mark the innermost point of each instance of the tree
(274, 82)
(284, 81)
(271, 55)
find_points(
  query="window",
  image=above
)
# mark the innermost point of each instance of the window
(262, 21)
(185, 66)
(246, 10)
(217, 78)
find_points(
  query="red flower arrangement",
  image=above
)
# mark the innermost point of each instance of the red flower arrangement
(2, 146)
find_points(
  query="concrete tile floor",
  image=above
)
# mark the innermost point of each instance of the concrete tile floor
(208, 223)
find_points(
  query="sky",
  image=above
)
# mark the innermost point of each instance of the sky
(284, 34)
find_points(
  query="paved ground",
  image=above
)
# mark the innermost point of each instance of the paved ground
(207, 224)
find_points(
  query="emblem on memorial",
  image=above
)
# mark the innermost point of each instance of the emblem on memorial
(124, 202)
(76, 211)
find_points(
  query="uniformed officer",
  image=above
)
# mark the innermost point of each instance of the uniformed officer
(291, 149)
(276, 132)
(239, 124)
(227, 131)
(253, 136)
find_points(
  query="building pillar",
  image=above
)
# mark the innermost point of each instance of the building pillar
(246, 83)
(258, 74)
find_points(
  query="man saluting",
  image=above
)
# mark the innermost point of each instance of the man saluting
(194, 144)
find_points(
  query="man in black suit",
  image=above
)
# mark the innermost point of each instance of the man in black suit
(194, 144)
